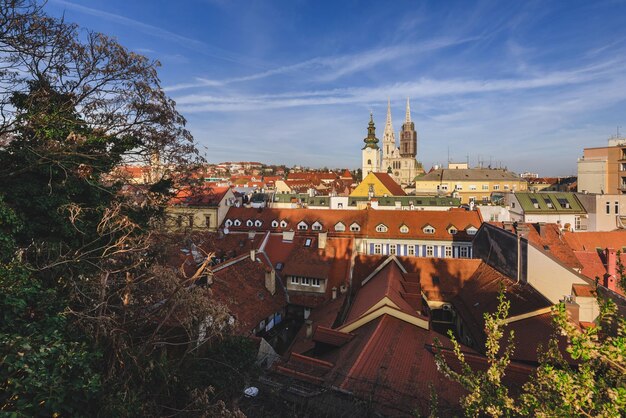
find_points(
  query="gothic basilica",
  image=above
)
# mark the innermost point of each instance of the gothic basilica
(399, 162)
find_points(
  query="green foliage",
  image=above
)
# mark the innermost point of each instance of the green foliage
(594, 386)
(9, 226)
(45, 369)
(597, 386)
(487, 395)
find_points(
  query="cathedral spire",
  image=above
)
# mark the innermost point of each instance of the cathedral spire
(408, 111)
(388, 124)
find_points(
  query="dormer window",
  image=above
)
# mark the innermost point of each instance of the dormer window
(228, 223)
(340, 227)
(258, 223)
(471, 230)
(355, 227)
(237, 222)
(404, 229)
(381, 228)
(249, 222)
(283, 224)
(428, 229)
(452, 230)
(302, 226)
(274, 223)
(316, 226)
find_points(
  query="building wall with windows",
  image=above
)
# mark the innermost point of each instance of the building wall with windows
(472, 184)
(606, 212)
(603, 169)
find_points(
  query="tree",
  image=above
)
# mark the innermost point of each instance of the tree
(487, 395)
(595, 386)
(94, 321)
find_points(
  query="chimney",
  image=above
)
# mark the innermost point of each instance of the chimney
(522, 230)
(610, 278)
(542, 229)
(573, 310)
(270, 281)
(321, 240)
(253, 255)
(334, 292)
(309, 328)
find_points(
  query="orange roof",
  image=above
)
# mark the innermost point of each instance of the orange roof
(241, 286)
(391, 185)
(199, 196)
(589, 241)
(367, 219)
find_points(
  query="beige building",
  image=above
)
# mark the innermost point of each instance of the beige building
(469, 184)
(204, 210)
(605, 212)
(603, 169)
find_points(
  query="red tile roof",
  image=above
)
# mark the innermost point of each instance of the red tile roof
(390, 184)
(368, 219)
(550, 242)
(589, 241)
(241, 286)
(199, 196)
(480, 295)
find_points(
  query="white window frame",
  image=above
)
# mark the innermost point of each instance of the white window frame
(237, 222)
(471, 230)
(393, 249)
(430, 251)
(404, 229)
(355, 227)
(464, 252)
(302, 226)
(340, 227)
(294, 280)
(448, 252)
(315, 282)
(411, 249)
(381, 228)
(378, 248)
(306, 281)
(316, 226)
(249, 222)
(283, 224)
(228, 223)
(496, 187)
(274, 223)
(258, 223)
(485, 187)
(453, 230)
(429, 230)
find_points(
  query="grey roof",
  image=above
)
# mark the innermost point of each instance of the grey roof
(469, 174)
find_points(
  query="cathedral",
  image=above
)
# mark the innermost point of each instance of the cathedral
(399, 162)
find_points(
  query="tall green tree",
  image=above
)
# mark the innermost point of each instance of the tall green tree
(92, 322)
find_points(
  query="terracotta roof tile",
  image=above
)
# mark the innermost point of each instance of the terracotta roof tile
(390, 184)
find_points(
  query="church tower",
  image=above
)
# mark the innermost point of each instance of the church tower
(389, 142)
(408, 136)
(371, 151)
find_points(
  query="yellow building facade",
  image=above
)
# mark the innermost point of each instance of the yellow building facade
(470, 184)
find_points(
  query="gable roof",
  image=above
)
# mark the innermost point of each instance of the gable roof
(528, 201)
(390, 184)
(367, 219)
(469, 174)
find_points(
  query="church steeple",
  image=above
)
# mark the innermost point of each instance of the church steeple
(370, 140)
(408, 136)
(408, 111)
(388, 125)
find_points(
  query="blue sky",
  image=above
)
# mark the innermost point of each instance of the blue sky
(523, 84)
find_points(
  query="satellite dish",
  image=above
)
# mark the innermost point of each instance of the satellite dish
(226, 231)
(251, 392)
